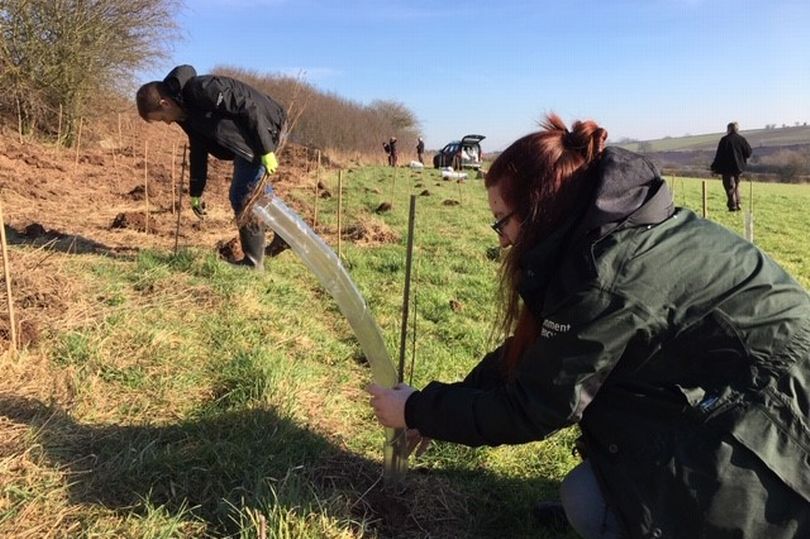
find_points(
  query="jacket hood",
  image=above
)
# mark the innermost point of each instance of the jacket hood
(177, 79)
(628, 192)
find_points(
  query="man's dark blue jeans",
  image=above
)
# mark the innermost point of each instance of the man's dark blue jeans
(246, 176)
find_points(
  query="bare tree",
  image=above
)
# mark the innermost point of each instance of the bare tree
(76, 52)
(326, 120)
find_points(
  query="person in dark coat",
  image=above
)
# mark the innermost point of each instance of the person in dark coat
(732, 154)
(230, 120)
(392, 151)
(420, 150)
(680, 349)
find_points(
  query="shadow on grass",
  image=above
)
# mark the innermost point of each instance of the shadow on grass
(35, 235)
(219, 466)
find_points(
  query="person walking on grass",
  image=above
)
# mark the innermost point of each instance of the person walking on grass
(392, 151)
(230, 120)
(732, 154)
(681, 350)
(420, 150)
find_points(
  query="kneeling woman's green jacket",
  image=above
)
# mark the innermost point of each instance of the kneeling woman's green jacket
(682, 351)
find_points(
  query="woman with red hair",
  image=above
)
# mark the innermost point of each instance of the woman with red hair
(681, 351)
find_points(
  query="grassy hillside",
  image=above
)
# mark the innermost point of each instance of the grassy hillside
(783, 136)
(178, 396)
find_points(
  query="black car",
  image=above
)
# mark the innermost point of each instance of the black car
(464, 153)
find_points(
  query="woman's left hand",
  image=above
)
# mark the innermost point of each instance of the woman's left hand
(389, 404)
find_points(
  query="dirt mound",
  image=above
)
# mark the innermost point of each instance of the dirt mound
(370, 231)
(421, 503)
(130, 220)
(93, 159)
(139, 193)
(384, 207)
(230, 250)
(450, 202)
(424, 193)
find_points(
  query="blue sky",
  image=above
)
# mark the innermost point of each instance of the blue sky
(641, 68)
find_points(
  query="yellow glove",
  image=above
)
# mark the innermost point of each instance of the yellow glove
(270, 162)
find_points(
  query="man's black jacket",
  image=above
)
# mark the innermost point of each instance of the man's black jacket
(733, 152)
(225, 118)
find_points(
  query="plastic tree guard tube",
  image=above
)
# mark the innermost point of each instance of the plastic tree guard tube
(321, 260)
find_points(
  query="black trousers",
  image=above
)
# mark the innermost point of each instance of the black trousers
(731, 183)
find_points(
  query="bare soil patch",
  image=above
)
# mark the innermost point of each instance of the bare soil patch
(370, 231)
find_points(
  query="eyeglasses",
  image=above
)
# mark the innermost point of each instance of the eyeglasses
(498, 225)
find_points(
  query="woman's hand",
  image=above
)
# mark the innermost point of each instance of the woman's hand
(389, 404)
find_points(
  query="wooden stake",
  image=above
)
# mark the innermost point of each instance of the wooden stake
(19, 120)
(393, 184)
(174, 155)
(705, 200)
(117, 172)
(406, 296)
(262, 527)
(179, 194)
(339, 212)
(78, 145)
(315, 203)
(460, 198)
(120, 144)
(413, 335)
(59, 130)
(146, 182)
(12, 324)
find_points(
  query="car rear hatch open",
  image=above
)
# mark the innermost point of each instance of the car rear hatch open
(469, 140)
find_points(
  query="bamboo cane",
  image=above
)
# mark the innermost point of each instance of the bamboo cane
(7, 274)
(339, 212)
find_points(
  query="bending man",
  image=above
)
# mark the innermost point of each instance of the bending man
(228, 119)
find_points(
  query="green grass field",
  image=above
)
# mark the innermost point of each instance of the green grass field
(194, 399)
(782, 136)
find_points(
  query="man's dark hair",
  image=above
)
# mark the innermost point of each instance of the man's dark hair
(148, 97)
